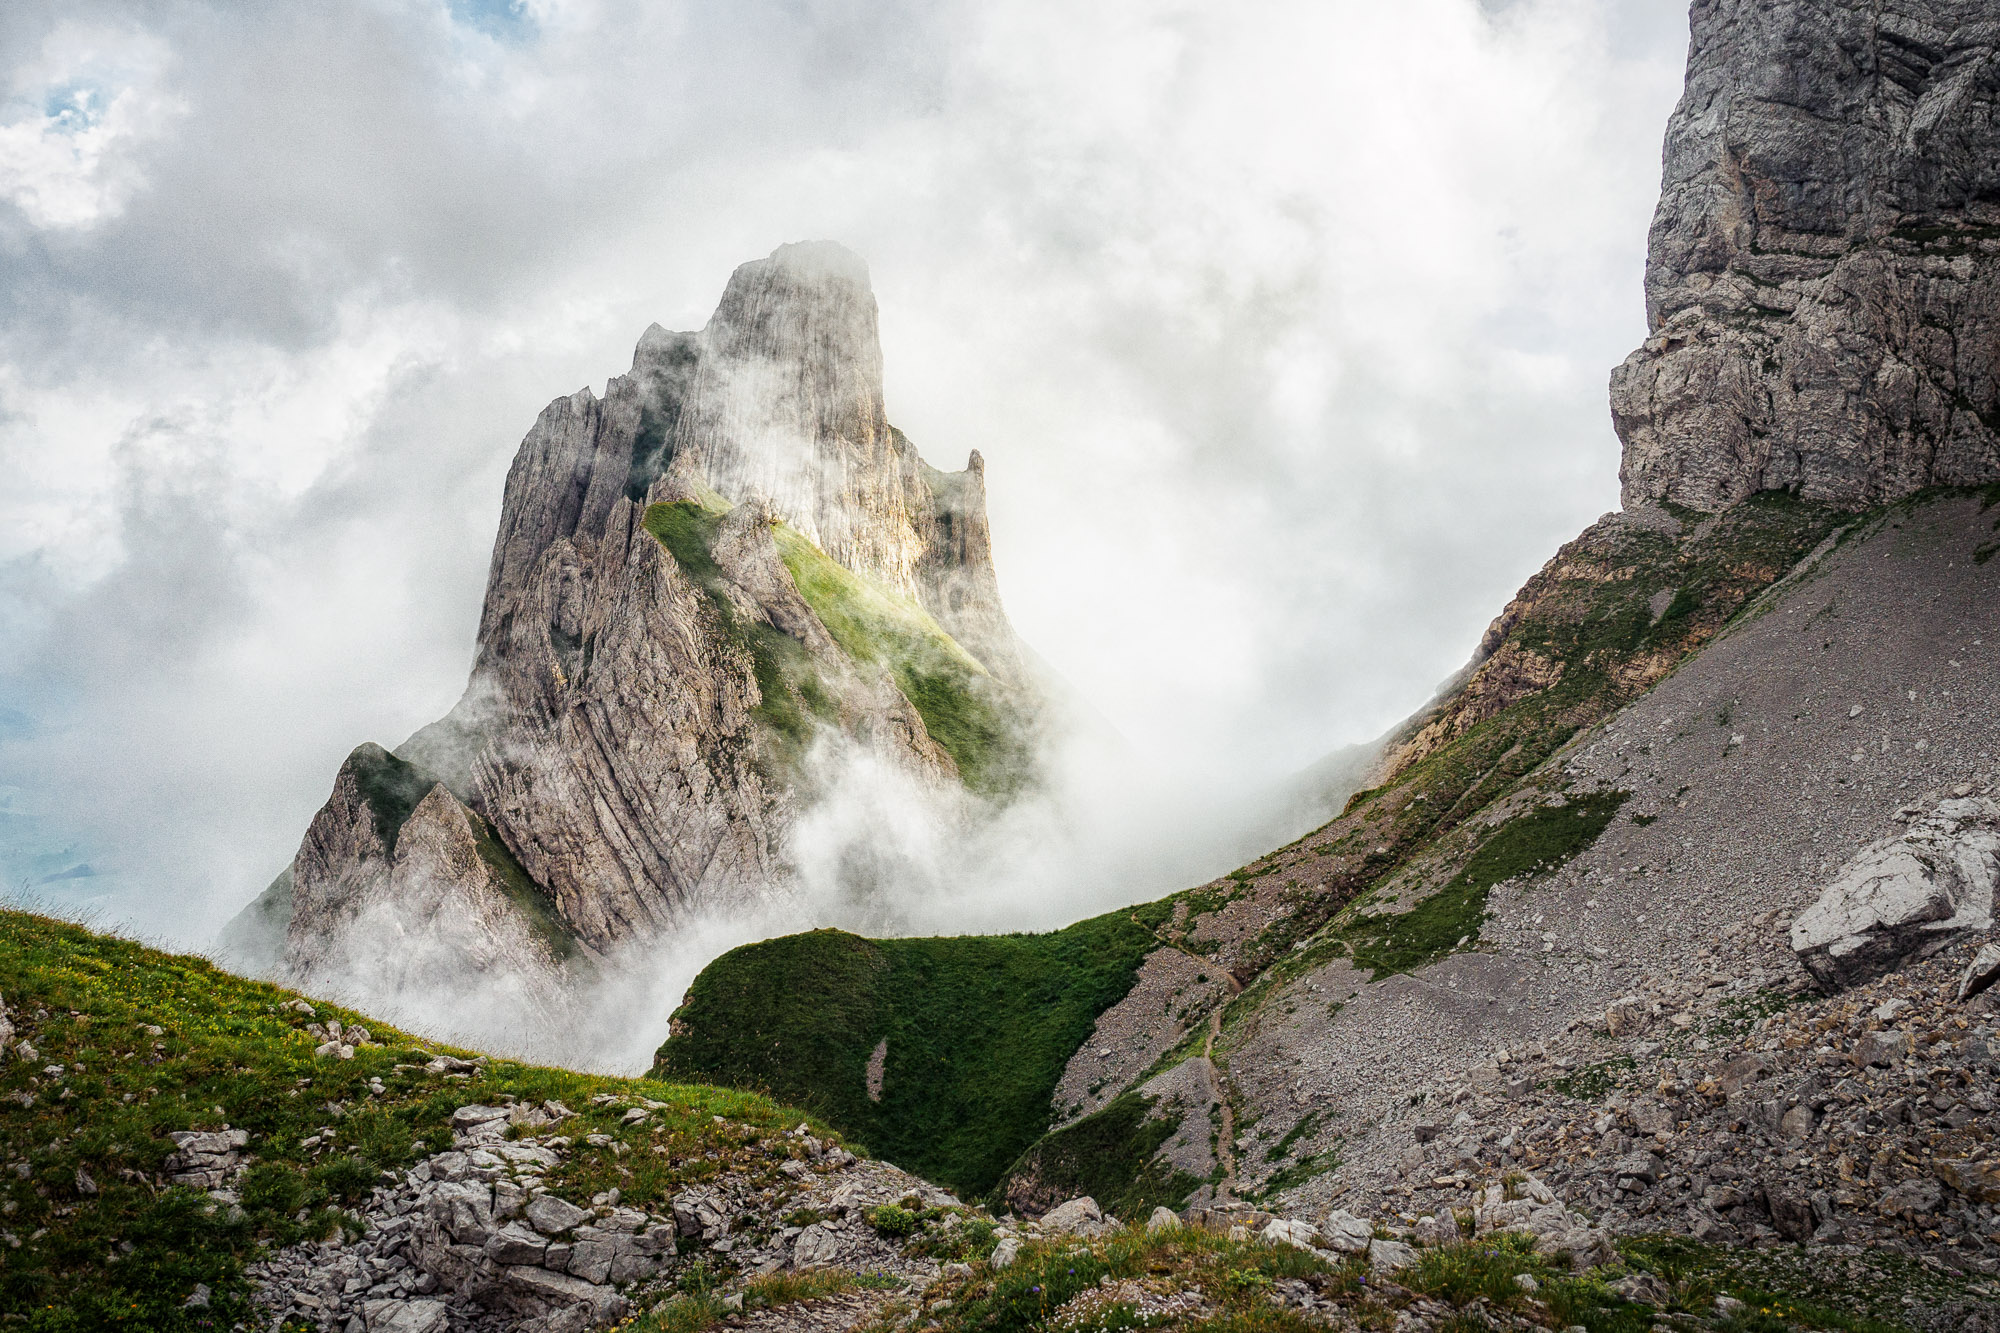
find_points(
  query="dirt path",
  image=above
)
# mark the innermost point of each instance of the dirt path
(1225, 1145)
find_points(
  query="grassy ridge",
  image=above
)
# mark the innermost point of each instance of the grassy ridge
(978, 1031)
(94, 1237)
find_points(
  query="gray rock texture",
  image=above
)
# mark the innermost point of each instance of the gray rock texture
(1904, 897)
(1823, 278)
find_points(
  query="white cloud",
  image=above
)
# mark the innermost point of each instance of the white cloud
(77, 116)
(1283, 327)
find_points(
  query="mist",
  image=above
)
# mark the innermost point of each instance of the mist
(1283, 329)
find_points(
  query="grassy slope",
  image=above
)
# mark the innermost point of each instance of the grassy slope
(979, 1028)
(228, 1055)
(1591, 612)
(1092, 1285)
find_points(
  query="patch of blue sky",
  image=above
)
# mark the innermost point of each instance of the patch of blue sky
(73, 107)
(503, 20)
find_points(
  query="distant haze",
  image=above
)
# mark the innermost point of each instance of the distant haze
(1283, 329)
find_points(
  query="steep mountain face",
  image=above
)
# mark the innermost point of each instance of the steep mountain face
(704, 582)
(1823, 280)
(1730, 753)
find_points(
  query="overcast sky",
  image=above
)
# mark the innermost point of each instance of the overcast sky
(1283, 326)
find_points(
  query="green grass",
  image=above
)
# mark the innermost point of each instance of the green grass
(1593, 1082)
(963, 707)
(1108, 1155)
(1235, 1278)
(227, 1053)
(979, 1028)
(1530, 844)
(1478, 1282)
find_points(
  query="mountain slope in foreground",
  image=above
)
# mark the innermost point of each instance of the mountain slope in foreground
(185, 1152)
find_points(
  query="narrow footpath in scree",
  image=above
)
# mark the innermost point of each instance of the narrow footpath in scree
(1225, 1144)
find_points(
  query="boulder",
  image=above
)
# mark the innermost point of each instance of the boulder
(816, 1247)
(406, 1317)
(551, 1216)
(1627, 1017)
(1344, 1233)
(1077, 1217)
(1975, 1180)
(1902, 898)
(1981, 972)
(1163, 1219)
(1386, 1256)
(1285, 1231)
(1005, 1253)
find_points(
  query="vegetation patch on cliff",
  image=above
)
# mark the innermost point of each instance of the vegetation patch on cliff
(978, 1029)
(791, 698)
(963, 707)
(1528, 844)
(130, 1044)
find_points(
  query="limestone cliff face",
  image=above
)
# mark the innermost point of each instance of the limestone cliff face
(650, 676)
(1823, 278)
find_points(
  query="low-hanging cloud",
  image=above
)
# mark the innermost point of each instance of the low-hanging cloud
(1282, 327)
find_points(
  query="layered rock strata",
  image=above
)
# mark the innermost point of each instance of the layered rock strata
(651, 680)
(1823, 275)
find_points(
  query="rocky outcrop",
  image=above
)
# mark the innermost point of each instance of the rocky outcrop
(1823, 278)
(1905, 897)
(651, 679)
(398, 886)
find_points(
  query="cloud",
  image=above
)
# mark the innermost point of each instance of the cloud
(1283, 328)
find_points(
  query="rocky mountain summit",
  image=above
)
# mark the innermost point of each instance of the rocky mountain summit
(708, 586)
(1823, 278)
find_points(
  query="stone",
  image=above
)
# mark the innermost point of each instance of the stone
(1640, 1167)
(1980, 973)
(1344, 1233)
(1882, 1048)
(552, 1216)
(815, 1247)
(467, 1117)
(560, 1289)
(516, 1244)
(1163, 1219)
(1386, 1256)
(1627, 1017)
(1080, 1217)
(699, 1213)
(1900, 898)
(1978, 1180)
(1791, 1215)
(1286, 1231)
(1911, 1199)
(1797, 1122)
(1644, 1288)
(1434, 1230)
(1005, 1253)
(392, 1316)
